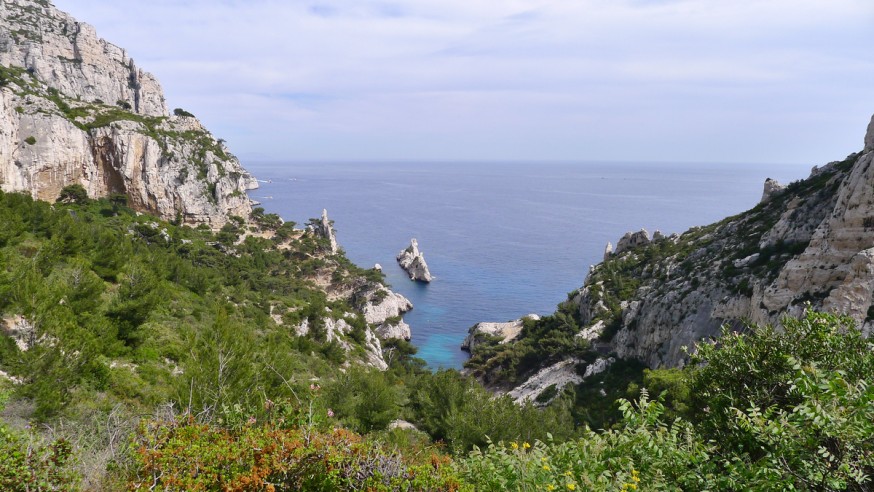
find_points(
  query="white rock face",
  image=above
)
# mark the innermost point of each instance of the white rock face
(837, 260)
(69, 56)
(608, 250)
(373, 351)
(413, 262)
(401, 424)
(61, 123)
(399, 330)
(592, 332)
(337, 329)
(772, 187)
(383, 304)
(560, 375)
(632, 240)
(508, 331)
(21, 330)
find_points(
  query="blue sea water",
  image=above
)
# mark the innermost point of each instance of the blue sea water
(502, 239)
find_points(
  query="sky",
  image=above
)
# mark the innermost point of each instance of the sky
(762, 81)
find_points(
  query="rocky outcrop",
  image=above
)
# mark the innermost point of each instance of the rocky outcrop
(556, 376)
(67, 55)
(608, 250)
(402, 425)
(506, 332)
(771, 188)
(413, 262)
(76, 109)
(398, 330)
(632, 240)
(381, 304)
(324, 228)
(338, 330)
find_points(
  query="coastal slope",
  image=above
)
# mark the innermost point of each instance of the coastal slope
(652, 298)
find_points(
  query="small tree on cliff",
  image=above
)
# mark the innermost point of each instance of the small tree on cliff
(74, 193)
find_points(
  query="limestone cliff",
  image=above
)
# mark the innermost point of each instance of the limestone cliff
(811, 241)
(77, 109)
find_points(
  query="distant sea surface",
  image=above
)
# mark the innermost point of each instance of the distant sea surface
(502, 239)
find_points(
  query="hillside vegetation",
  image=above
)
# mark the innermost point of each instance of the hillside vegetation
(141, 354)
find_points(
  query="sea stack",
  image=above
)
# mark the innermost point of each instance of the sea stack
(413, 262)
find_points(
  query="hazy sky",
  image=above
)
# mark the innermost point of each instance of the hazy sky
(654, 80)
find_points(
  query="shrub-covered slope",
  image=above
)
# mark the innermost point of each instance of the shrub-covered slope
(101, 303)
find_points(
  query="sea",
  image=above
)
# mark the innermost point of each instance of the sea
(502, 239)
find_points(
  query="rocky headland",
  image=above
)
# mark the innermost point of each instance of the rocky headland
(413, 262)
(76, 109)
(808, 243)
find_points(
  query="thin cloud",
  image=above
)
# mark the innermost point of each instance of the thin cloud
(683, 79)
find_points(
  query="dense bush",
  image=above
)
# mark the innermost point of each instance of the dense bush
(788, 409)
(184, 455)
(644, 453)
(123, 314)
(29, 465)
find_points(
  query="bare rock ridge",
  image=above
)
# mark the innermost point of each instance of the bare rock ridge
(75, 108)
(809, 242)
(324, 228)
(413, 262)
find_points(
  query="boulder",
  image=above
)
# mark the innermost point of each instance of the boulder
(507, 331)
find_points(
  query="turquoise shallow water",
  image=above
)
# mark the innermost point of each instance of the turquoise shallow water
(502, 239)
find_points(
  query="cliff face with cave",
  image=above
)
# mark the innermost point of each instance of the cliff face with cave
(76, 109)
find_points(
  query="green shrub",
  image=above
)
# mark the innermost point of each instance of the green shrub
(74, 193)
(183, 455)
(27, 464)
(182, 112)
(31, 140)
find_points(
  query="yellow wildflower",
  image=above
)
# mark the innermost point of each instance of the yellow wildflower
(550, 487)
(546, 467)
(526, 445)
(514, 445)
(572, 486)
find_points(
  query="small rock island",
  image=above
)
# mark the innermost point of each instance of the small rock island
(413, 262)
